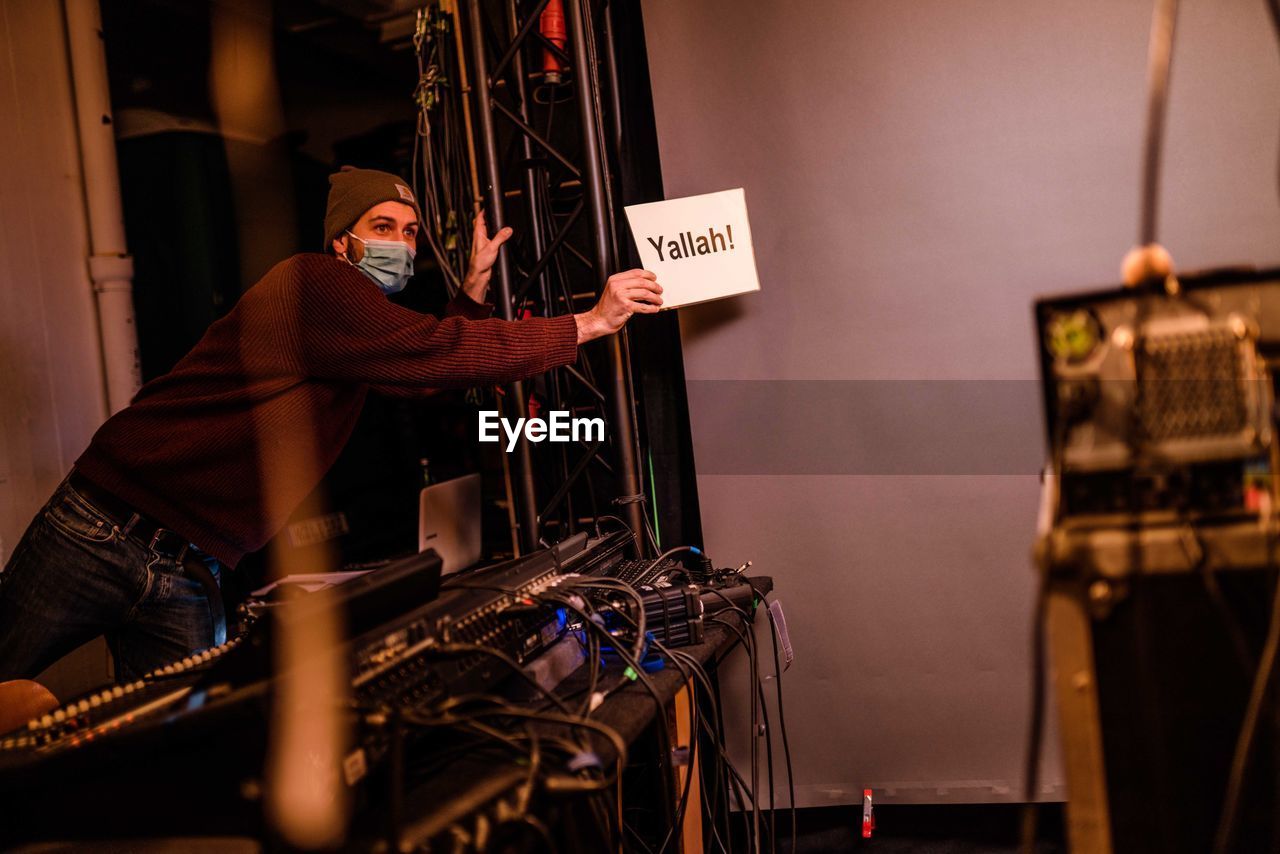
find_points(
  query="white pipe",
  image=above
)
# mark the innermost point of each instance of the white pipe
(110, 266)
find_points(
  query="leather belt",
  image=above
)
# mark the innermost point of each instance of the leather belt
(162, 541)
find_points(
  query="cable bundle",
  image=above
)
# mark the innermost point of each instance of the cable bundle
(443, 174)
(555, 765)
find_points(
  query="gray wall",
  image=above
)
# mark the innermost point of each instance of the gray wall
(916, 173)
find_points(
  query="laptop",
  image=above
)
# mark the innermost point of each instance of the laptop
(449, 521)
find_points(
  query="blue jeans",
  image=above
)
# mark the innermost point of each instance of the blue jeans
(74, 576)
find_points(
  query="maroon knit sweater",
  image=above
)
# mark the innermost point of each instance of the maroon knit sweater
(273, 390)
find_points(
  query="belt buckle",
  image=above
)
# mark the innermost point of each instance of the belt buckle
(159, 535)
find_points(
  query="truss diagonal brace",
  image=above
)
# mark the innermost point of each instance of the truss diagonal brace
(516, 43)
(537, 137)
(578, 468)
(548, 255)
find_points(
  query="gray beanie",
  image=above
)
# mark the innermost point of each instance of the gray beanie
(353, 191)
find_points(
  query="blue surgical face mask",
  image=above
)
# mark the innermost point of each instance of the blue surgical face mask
(388, 262)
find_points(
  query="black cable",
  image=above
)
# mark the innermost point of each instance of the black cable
(740, 788)
(637, 668)
(1202, 567)
(681, 663)
(495, 705)
(713, 809)
(1035, 736)
(642, 500)
(683, 803)
(1035, 733)
(594, 652)
(1263, 678)
(717, 736)
(535, 764)
(533, 753)
(458, 648)
(509, 711)
(668, 553)
(724, 809)
(601, 803)
(768, 752)
(610, 516)
(586, 582)
(638, 838)
(425, 767)
(633, 661)
(746, 619)
(1159, 61)
(730, 605)
(749, 642)
(610, 836)
(782, 725)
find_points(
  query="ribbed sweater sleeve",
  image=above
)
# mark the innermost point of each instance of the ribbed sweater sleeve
(348, 331)
(464, 306)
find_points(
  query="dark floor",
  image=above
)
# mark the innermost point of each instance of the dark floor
(920, 829)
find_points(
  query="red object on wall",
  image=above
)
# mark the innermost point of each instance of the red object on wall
(551, 25)
(868, 815)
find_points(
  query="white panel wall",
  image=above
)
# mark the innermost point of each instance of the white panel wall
(916, 173)
(51, 386)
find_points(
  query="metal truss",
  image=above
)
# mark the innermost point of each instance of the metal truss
(544, 167)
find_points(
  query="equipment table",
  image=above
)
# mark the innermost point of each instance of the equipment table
(458, 798)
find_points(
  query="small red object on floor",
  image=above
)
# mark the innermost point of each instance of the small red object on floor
(868, 815)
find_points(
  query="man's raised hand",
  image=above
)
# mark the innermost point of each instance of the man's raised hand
(484, 254)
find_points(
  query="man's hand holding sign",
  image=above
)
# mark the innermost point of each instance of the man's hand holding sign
(625, 294)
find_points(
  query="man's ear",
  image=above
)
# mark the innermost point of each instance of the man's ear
(340, 246)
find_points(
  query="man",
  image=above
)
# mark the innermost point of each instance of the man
(210, 459)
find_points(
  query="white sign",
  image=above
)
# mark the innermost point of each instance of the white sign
(699, 246)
